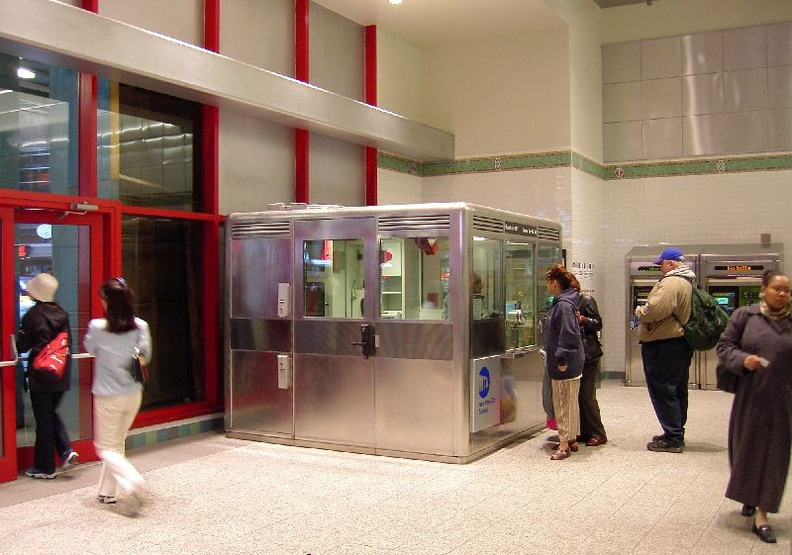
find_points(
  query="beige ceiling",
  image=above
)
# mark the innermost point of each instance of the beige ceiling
(425, 22)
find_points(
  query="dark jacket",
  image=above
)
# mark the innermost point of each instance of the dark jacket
(760, 425)
(41, 323)
(590, 326)
(562, 337)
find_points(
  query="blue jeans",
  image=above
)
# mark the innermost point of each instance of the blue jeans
(667, 368)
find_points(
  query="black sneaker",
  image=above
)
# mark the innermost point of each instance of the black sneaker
(70, 460)
(39, 474)
(666, 446)
(663, 436)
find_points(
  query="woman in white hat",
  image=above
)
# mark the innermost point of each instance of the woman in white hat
(45, 320)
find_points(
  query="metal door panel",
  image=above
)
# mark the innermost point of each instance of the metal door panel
(414, 405)
(257, 404)
(334, 399)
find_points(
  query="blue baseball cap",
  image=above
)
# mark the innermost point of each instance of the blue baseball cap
(670, 253)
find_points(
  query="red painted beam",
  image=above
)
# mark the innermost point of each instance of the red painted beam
(301, 72)
(370, 97)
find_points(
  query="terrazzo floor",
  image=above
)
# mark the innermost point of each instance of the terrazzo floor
(215, 495)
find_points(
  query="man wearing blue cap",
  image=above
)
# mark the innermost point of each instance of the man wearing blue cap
(665, 352)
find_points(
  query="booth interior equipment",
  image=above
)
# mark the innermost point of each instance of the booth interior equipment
(730, 273)
(410, 331)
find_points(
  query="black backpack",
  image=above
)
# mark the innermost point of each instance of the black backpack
(707, 320)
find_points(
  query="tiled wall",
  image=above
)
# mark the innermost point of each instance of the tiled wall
(722, 92)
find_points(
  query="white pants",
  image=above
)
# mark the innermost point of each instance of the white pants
(113, 416)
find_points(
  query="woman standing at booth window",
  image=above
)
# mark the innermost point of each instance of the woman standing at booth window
(757, 345)
(114, 340)
(564, 351)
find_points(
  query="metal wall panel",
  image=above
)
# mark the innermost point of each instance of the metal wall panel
(702, 94)
(334, 399)
(661, 58)
(257, 266)
(702, 53)
(662, 98)
(744, 48)
(622, 102)
(702, 135)
(779, 44)
(623, 141)
(414, 406)
(745, 132)
(256, 402)
(779, 129)
(745, 90)
(662, 138)
(621, 62)
(779, 87)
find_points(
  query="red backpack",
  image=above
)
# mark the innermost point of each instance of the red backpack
(50, 364)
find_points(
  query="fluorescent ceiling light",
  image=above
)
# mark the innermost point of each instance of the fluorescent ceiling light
(395, 2)
(25, 73)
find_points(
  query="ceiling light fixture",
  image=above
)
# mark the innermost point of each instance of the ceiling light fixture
(25, 73)
(395, 2)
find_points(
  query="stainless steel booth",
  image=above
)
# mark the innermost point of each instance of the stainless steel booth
(411, 331)
(731, 273)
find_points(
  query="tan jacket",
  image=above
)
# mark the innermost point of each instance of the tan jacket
(667, 308)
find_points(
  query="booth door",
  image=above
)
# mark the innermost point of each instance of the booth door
(334, 304)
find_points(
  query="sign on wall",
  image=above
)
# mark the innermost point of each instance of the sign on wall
(485, 392)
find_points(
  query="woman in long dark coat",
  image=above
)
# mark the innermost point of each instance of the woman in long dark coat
(757, 344)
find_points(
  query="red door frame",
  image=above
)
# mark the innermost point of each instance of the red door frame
(56, 209)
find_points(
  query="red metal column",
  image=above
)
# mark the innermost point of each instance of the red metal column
(370, 97)
(301, 136)
(210, 161)
(87, 116)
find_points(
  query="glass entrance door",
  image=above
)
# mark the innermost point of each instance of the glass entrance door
(68, 246)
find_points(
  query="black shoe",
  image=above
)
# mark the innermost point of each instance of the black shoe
(666, 446)
(663, 436)
(748, 510)
(764, 532)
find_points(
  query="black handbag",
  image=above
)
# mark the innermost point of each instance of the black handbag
(591, 346)
(137, 369)
(725, 379)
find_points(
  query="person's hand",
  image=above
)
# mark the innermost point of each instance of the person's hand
(562, 367)
(752, 362)
(580, 317)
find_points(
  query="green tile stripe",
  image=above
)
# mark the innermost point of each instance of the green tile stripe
(172, 430)
(699, 166)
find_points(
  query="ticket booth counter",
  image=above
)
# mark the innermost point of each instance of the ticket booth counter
(410, 331)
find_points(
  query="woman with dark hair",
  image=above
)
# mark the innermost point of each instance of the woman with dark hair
(115, 341)
(564, 351)
(592, 431)
(757, 345)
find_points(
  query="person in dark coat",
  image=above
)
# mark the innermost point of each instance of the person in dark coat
(564, 352)
(757, 344)
(41, 323)
(592, 431)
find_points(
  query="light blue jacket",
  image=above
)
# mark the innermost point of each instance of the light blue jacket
(113, 352)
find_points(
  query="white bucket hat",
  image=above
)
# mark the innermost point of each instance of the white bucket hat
(43, 287)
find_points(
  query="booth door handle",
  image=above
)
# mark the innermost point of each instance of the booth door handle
(366, 340)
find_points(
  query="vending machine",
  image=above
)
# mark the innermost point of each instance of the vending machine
(733, 275)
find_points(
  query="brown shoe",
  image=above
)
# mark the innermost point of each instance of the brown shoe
(560, 455)
(594, 441)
